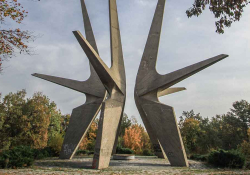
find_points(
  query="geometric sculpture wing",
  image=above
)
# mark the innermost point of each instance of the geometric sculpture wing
(114, 81)
(159, 119)
(82, 116)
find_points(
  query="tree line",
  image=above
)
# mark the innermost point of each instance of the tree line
(229, 131)
(38, 123)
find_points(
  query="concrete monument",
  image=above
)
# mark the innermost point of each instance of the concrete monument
(159, 119)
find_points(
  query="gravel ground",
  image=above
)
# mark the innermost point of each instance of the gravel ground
(141, 165)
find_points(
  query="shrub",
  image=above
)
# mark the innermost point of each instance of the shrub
(147, 152)
(120, 150)
(245, 149)
(199, 157)
(222, 158)
(82, 152)
(56, 143)
(45, 152)
(91, 152)
(21, 156)
(91, 146)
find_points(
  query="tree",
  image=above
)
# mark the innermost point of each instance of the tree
(228, 131)
(11, 39)
(241, 109)
(55, 123)
(190, 131)
(126, 123)
(228, 11)
(26, 121)
(88, 142)
(132, 138)
(64, 123)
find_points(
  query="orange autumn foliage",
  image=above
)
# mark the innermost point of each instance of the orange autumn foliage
(11, 39)
(136, 138)
(90, 137)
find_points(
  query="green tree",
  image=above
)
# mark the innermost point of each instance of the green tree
(241, 109)
(55, 121)
(190, 130)
(227, 11)
(64, 123)
(126, 122)
(228, 131)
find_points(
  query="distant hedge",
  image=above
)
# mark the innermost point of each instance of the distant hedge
(120, 150)
(23, 156)
(231, 159)
(199, 157)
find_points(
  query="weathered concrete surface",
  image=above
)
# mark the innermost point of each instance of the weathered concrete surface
(82, 116)
(159, 119)
(115, 83)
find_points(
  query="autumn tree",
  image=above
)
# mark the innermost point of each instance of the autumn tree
(88, 142)
(136, 138)
(226, 11)
(25, 121)
(12, 39)
(132, 138)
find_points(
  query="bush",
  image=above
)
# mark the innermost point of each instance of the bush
(245, 149)
(120, 150)
(44, 153)
(222, 158)
(199, 157)
(82, 152)
(56, 143)
(91, 146)
(21, 156)
(147, 152)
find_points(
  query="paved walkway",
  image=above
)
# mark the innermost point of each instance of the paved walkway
(140, 165)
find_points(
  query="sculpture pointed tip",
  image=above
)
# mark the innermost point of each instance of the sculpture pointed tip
(76, 32)
(224, 55)
(34, 74)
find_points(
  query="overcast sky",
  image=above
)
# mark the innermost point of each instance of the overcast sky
(183, 42)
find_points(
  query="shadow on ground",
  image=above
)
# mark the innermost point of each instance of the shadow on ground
(86, 163)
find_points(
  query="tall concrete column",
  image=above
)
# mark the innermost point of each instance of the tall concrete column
(114, 81)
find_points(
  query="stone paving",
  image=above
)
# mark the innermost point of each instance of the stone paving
(141, 165)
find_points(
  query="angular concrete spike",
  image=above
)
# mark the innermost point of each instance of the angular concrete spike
(82, 116)
(87, 87)
(89, 35)
(112, 108)
(170, 91)
(107, 76)
(163, 121)
(164, 81)
(80, 121)
(159, 119)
